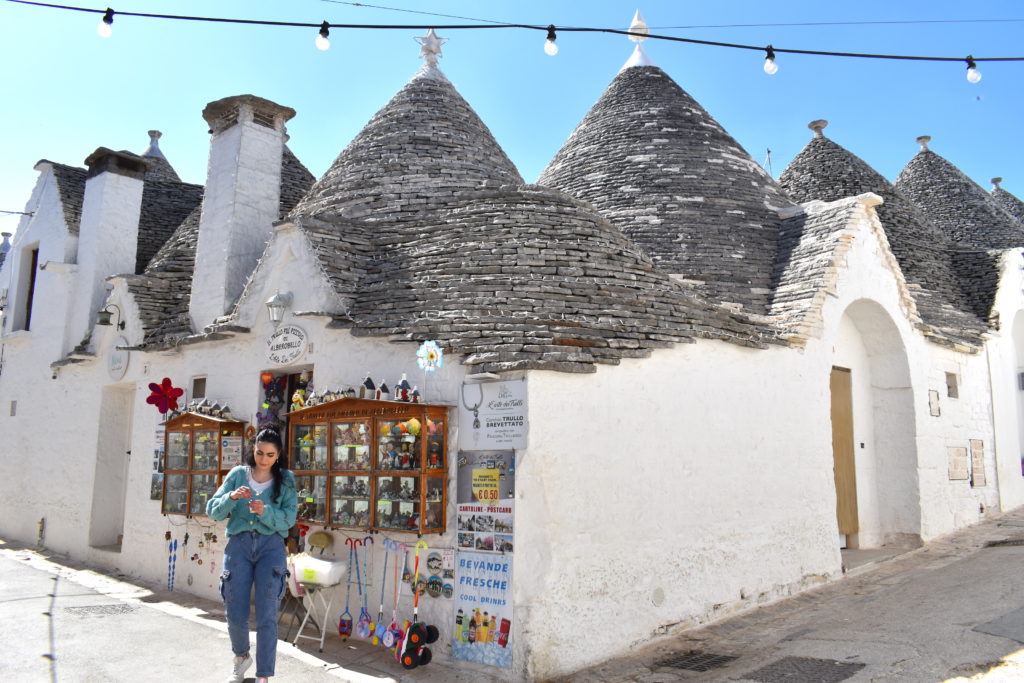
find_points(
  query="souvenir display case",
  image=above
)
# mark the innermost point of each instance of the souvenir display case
(198, 451)
(371, 465)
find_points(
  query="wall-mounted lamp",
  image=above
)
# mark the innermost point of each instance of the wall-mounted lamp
(103, 316)
(276, 305)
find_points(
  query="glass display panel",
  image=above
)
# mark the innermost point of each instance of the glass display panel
(204, 452)
(176, 493)
(310, 447)
(398, 503)
(435, 444)
(203, 488)
(350, 501)
(351, 448)
(398, 444)
(312, 496)
(177, 450)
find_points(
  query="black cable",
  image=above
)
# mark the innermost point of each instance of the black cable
(693, 41)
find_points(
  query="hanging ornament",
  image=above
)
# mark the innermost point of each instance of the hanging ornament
(165, 396)
(430, 357)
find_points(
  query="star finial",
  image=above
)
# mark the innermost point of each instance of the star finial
(430, 47)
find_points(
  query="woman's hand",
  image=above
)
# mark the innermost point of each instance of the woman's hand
(240, 492)
(256, 507)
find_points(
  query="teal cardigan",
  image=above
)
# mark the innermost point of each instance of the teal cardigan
(277, 518)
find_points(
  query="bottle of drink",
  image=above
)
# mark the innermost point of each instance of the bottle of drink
(459, 634)
(493, 629)
(481, 630)
(471, 638)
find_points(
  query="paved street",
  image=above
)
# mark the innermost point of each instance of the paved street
(916, 617)
(953, 610)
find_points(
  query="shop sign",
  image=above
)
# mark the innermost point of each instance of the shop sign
(117, 359)
(493, 415)
(286, 345)
(483, 586)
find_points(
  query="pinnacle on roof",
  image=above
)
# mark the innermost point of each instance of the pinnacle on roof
(663, 171)
(966, 213)
(639, 57)
(5, 246)
(423, 146)
(1010, 203)
(826, 171)
(160, 169)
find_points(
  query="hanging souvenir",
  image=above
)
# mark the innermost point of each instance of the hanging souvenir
(165, 396)
(430, 357)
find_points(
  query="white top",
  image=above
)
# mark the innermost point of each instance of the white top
(257, 486)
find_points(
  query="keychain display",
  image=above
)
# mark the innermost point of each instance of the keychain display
(172, 557)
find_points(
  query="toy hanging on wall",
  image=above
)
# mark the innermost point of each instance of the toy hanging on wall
(165, 396)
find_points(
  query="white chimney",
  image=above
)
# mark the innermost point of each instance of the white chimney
(108, 234)
(241, 201)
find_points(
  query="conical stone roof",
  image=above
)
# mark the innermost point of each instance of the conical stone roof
(966, 213)
(522, 277)
(1007, 201)
(826, 171)
(160, 169)
(423, 146)
(663, 171)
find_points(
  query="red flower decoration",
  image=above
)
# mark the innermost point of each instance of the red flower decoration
(164, 396)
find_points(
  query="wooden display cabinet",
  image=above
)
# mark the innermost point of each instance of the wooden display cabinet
(198, 451)
(371, 465)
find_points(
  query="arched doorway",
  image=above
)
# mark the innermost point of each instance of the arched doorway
(874, 430)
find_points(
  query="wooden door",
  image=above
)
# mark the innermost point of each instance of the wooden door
(842, 450)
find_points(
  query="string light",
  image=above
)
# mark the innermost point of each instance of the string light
(550, 48)
(104, 28)
(770, 67)
(973, 75)
(322, 42)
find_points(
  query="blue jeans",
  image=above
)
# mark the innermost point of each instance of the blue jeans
(254, 560)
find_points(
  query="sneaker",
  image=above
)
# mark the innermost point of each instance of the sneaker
(239, 665)
(263, 679)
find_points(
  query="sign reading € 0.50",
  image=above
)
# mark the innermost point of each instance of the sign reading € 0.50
(286, 345)
(485, 486)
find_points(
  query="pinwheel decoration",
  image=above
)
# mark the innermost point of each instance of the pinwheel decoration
(165, 396)
(430, 357)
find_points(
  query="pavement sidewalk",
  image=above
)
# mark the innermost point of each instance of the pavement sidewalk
(952, 610)
(63, 621)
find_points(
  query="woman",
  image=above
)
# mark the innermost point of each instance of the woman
(260, 499)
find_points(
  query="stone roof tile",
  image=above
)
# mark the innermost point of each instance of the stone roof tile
(968, 215)
(427, 142)
(825, 171)
(662, 170)
(1007, 201)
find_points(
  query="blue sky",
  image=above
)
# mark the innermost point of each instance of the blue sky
(67, 91)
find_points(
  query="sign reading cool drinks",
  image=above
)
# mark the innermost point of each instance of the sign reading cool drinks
(286, 345)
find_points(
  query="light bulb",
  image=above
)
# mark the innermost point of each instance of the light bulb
(322, 42)
(105, 28)
(770, 67)
(550, 48)
(973, 75)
